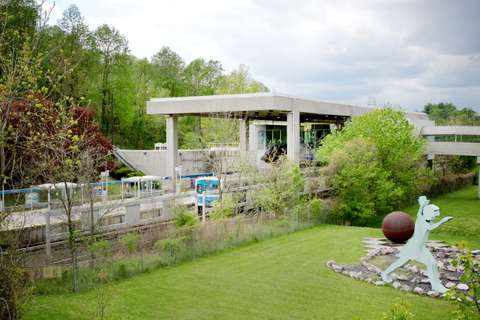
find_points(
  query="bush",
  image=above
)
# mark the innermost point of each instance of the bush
(446, 184)
(184, 218)
(121, 272)
(171, 247)
(123, 171)
(317, 211)
(130, 242)
(15, 289)
(102, 248)
(467, 302)
(399, 311)
(283, 189)
(223, 209)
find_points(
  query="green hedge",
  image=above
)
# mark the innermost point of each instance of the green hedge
(449, 183)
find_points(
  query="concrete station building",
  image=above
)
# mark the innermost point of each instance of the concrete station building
(269, 117)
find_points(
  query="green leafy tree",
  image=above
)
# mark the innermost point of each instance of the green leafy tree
(393, 154)
(362, 185)
(240, 81)
(448, 114)
(168, 69)
(112, 46)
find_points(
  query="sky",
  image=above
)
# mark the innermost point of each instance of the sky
(403, 53)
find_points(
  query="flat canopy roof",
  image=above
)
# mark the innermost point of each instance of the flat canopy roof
(265, 106)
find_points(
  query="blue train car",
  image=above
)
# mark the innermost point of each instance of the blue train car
(211, 187)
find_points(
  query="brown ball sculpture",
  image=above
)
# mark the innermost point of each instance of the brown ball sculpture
(398, 227)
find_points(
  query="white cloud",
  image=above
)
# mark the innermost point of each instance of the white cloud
(402, 52)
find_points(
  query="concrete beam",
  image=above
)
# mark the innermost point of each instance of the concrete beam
(255, 102)
(293, 135)
(451, 130)
(453, 148)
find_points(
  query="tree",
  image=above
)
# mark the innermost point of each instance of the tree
(18, 20)
(111, 46)
(169, 68)
(202, 77)
(448, 114)
(20, 62)
(391, 151)
(281, 190)
(240, 81)
(362, 185)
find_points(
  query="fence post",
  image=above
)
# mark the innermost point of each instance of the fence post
(309, 214)
(141, 252)
(204, 206)
(48, 246)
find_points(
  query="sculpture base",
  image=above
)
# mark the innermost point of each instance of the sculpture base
(411, 277)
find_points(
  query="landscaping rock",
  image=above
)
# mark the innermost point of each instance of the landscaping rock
(381, 253)
(419, 290)
(432, 293)
(462, 286)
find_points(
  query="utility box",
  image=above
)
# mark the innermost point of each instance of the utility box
(132, 214)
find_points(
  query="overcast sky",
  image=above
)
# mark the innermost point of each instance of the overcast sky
(399, 52)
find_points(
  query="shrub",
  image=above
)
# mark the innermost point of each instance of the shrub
(184, 218)
(450, 183)
(121, 272)
(317, 211)
(171, 247)
(399, 311)
(123, 171)
(282, 190)
(223, 209)
(101, 247)
(130, 242)
(468, 302)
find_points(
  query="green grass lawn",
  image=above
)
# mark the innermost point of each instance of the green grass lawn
(464, 206)
(280, 278)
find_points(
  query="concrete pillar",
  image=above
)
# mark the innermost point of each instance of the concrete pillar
(244, 134)
(293, 135)
(172, 149)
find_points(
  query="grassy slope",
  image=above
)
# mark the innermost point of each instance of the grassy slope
(464, 206)
(280, 278)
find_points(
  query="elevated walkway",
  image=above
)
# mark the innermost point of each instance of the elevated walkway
(452, 140)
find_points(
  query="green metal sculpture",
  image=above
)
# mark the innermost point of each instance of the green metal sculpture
(416, 247)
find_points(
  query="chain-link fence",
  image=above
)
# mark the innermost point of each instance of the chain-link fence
(124, 254)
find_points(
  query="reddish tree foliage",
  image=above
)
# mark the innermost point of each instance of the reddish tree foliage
(93, 138)
(33, 122)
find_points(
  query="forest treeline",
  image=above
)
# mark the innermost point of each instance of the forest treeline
(72, 62)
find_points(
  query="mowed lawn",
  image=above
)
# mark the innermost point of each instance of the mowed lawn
(280, 278)
(464, 206)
